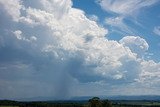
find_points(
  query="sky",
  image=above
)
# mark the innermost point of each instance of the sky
(68, 48)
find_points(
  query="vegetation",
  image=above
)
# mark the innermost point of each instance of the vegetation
(94, 102)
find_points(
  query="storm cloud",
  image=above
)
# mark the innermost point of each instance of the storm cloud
(49, 48)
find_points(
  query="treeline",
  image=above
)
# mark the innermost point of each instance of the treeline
(94, 102)
(39, 104)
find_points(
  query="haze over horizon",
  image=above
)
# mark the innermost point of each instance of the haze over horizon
(67, 48)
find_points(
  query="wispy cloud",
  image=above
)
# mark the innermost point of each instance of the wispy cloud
(156, 30)
(125, 7)
(118, 23)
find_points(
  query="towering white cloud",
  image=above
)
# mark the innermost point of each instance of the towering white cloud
(12, 8)
(150, 73)
(136, 44)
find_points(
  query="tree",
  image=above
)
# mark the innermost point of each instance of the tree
(106, 103)
(95, 102)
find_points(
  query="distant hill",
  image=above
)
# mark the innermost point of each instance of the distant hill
(140, 97)
(83, 98)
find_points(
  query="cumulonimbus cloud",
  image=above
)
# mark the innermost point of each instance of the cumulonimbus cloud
(56, 44)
